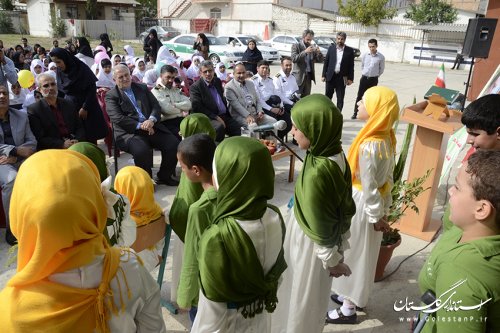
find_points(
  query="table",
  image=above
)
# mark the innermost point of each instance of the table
(291, 168)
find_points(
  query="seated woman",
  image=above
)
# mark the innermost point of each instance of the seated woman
(135, 183)
(120, 229)
(68, 278)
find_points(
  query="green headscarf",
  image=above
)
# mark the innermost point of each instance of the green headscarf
(95, 154)
(196, 123)
(323, 194)
(230, 270)
(187, 191)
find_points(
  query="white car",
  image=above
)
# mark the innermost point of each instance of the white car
(240, 42)
(182, 46)
(283, 43)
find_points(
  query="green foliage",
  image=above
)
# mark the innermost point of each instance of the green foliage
(91, 9)
(148, 9)
(366, 12)
(57, 24)
(6, 26)
(6, 4)
(432, 11)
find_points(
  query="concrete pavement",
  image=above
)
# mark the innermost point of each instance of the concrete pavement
(408, 81)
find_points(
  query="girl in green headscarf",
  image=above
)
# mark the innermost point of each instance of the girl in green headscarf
(120, 228)
(318, 227)
(187, 194)
(241, 253)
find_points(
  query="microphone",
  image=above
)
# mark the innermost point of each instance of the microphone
(279, 126)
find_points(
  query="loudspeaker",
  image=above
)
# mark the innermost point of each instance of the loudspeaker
(478, 37)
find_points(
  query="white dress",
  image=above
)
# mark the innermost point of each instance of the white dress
(266, 235)
(376, 166)
(142, 311)
(304, 293)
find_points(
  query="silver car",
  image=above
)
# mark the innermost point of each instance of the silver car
(240, 42)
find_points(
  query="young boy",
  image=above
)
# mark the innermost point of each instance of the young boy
(482, 119)
(463, 269)
(195, 155)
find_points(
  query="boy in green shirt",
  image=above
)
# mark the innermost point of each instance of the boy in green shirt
(195, 155)
(463, 269)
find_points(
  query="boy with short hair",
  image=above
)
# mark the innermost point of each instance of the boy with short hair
(463, 268)
(195, 155)
(482, 119)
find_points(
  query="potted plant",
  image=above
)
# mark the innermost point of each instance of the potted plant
(403, 194)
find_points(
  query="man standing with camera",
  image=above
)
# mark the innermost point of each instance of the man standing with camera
(338, 69)
(304, 55)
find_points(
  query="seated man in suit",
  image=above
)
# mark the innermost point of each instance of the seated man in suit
(17, 142)
(338, 69)
(135, 115)
(54, 120)
(243, 100)
(207, 96)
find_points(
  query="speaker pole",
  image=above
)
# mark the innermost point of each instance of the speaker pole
(468, 82)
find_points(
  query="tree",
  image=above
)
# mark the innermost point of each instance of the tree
(6, 26)
(7, 4)
(91, 9)
(366, 12)
(432, 11)
(148, 9)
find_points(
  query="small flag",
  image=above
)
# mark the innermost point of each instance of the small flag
(440, 82)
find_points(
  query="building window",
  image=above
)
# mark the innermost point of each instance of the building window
(115, 14)
(72, 11)
(215, 13)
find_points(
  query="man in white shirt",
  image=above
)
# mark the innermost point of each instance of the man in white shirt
(174, 105)
(269, 96)
(285, 83)
(372, 66)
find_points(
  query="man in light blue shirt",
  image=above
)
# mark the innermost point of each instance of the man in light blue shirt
(372, 66)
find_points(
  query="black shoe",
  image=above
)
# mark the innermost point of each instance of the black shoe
(354, 116)
(342, 319)
(335, 298)
(10, 238)
(169, 182)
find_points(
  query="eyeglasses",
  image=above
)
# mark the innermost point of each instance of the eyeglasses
(46, 85)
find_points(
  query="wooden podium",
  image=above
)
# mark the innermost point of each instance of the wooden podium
(433, 121)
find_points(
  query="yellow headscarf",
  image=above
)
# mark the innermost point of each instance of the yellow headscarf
(135, 183)
(57, 213)
(382, 106)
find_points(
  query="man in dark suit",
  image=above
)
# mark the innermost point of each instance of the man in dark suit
(135, 115)
(53, 120)
(304, 55)
(17, 142)
(207, 96)
(338, 69)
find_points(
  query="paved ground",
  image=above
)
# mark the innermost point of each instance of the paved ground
(408, 81)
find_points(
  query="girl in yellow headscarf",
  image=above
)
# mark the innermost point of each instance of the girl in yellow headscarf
(371, 157)
(68, 278)
(136, 184)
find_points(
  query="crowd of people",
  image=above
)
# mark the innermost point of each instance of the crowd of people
(239, 264)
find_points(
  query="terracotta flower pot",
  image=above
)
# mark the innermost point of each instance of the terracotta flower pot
(384, 256)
